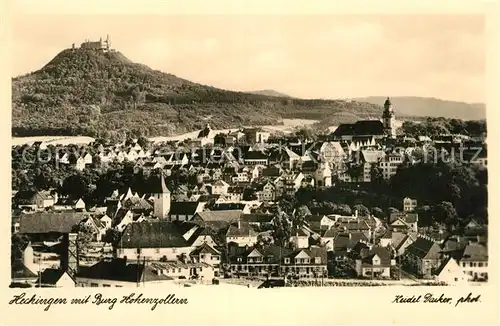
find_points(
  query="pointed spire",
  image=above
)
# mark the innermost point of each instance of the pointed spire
(164, 189)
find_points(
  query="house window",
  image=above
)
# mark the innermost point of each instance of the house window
(157, 250)
(180, 270)
(174, 250)
(202, 256)
(138, 250)
(94, 285)
(106, 285)
(118, 286)
(479, 264)
(287, 260)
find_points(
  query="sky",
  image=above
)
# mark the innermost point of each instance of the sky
(308, 56)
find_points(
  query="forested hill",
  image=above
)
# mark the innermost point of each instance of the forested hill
(87, 92)
(432, 107)
(270, 92)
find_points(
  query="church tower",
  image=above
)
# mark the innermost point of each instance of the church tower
(388, 119)
(161, 199)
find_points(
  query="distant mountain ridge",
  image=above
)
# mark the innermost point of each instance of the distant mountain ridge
(432, 107)
(94, 93)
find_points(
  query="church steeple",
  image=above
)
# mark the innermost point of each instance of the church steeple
(161, 198)
(388, 119)
(387, 104)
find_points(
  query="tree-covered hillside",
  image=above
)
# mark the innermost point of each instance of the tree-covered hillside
(87, 92)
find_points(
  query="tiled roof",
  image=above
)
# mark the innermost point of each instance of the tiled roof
(27, 197)
(183, 207)
(364, 127)
(204, 249)
(157, 234)
(50, 222)
(227, 216)
(20, 271)
(406, 217)
(399, 238)
(242, 230)
(255, 155)
(353, 225)
(137, 203)
(372, 156)
(228, 206)
(367, 256)
(424, 249)
(257, 218)
(348, 240)
(119, 270)
(442, 266)
(475, 252)
(51, 276)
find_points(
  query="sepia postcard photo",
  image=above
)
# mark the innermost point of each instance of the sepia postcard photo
(258, 153)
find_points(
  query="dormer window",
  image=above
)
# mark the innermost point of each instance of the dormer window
(287, 260)
(239, 260)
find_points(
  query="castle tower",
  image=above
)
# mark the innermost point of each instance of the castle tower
(161, 199)
(388, 119)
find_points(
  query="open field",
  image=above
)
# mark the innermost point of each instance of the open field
(288, 126)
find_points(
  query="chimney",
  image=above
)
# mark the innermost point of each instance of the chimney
(356, 213)
(478, 238)
(350, 235)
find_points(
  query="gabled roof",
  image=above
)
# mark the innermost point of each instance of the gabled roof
(348, 240)
(135, 203)
(360, 128)
(316, 218)
(475, 252)
(448, 261)
(399, 238)
(28, 197)
(51, 276)
(406, 217)
(19, 271)
(157, 234)
(52, 222)
(424, 249)
(205, 248)
(384, 254)
(228, 206)
(255, 155)
(244, 229)
(372, 156)
(183, 207)
(227, 216)
(119, 270)
(257, 218)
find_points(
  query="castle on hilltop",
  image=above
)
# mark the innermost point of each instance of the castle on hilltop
(104, 46)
